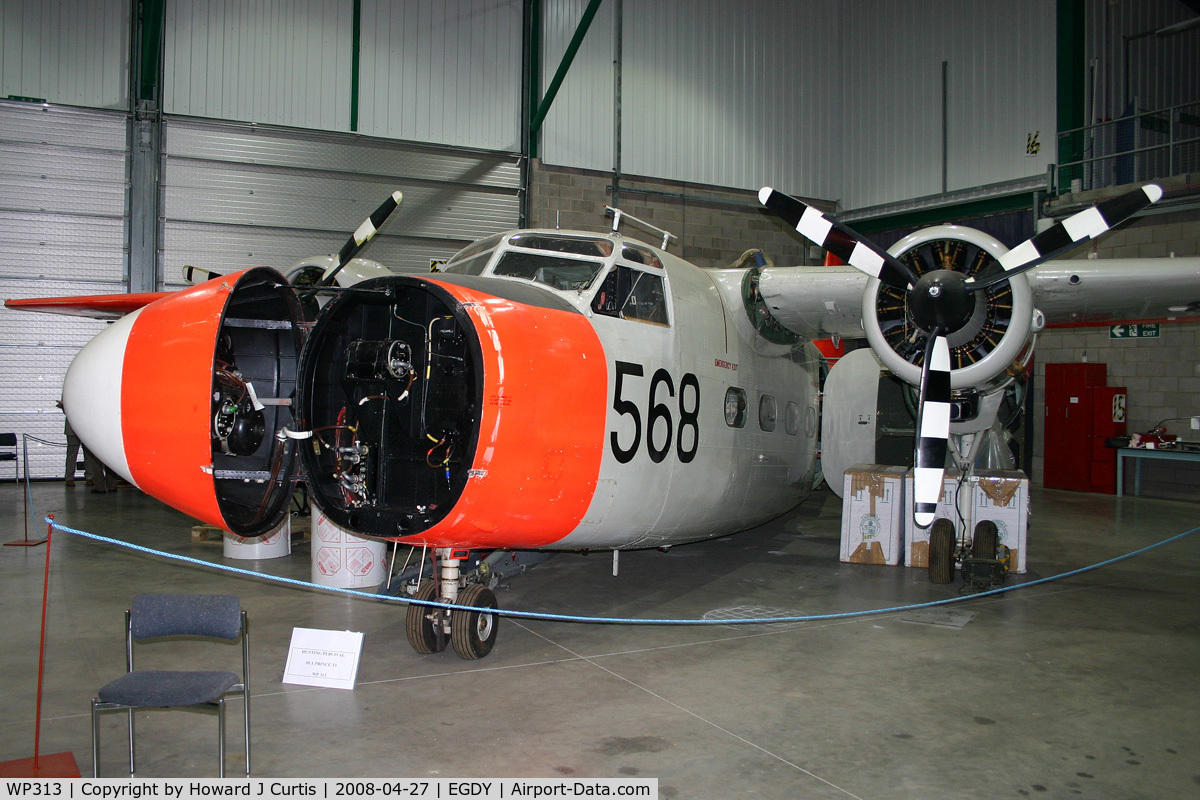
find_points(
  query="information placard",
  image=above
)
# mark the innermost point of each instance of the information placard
(323, 658)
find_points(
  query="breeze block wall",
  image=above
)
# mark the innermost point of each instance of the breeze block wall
(1162, 375)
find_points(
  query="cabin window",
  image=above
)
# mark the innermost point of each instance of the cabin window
(632, 294)
(735, 407)
(767, 411)
(791, 418)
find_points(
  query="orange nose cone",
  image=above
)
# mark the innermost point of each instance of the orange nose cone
(165, 398)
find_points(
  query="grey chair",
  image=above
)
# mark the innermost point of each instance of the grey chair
(8, 452)
(154, 616)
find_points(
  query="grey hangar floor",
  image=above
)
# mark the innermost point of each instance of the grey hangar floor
(1084, 687)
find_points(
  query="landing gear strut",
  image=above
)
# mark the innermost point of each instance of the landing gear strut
(471, 633)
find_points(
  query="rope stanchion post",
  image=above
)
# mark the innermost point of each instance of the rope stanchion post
(26, 542)
(56, 765)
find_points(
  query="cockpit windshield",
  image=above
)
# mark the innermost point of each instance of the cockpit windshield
(557, 272)
(572, 245)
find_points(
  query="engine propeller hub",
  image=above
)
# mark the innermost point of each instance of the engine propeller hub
(940, 299)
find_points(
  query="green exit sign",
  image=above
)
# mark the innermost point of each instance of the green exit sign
(1133, 331)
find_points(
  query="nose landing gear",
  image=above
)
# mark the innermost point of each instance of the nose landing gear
(983, 563)
(471, 633)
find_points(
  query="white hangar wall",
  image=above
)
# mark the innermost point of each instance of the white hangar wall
(726, 94)
(73, 52)
(999, 88)
(447, 72)
(840, 101)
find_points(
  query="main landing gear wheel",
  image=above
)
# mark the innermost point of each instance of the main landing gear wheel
(473, 633)
(420, 622)
(941, 551)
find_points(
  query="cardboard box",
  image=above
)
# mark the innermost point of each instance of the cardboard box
(872, 514)
(916, 548)
(1002, 496)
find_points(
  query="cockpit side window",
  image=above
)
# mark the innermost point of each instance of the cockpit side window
(639, 255)
(632, 294)
(473, 265)
(472, 259)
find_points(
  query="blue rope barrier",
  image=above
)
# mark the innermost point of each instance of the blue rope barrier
(615, 620)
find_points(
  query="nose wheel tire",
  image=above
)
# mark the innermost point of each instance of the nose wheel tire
(419, 624)
(473, 633)
(987, 536)
(941, 551)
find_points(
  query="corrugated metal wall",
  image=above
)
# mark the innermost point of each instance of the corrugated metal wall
(578, 131)
(730, 94)
(446, 72)
(238, 195)
(260, 61)
(74, 52)
(1001, 67)
(1163, 70)
(62, 232)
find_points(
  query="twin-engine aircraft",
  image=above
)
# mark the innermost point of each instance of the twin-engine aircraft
(563, 390)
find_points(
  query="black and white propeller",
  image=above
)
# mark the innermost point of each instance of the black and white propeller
(307, 278)
(363, 234)
(940, 302)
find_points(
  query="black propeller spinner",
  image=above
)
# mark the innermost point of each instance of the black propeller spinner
(942, 301)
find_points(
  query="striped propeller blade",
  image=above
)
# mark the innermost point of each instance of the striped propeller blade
(1078, 228)
(363, 234)
(836, 238)
(933, 430)
(194, 275)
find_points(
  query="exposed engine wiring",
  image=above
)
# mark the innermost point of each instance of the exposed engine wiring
(412, 376)
(445, 462)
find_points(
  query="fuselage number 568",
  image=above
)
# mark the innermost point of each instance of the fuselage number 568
(661, 429)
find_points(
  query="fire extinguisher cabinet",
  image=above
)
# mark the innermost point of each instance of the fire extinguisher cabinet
(1081, 413)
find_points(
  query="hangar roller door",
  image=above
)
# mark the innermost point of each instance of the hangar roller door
(242, 195)
(62, 232)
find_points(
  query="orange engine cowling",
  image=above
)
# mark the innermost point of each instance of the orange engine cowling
(460, 411)
(453, 411)
(187, 397)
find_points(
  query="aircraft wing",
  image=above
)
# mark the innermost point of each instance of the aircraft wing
(100, 306)
(817, 302)
(1110, 290)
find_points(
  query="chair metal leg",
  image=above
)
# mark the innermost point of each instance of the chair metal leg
(246, 726)
(95, 741)
(131, 765)
(221, 735)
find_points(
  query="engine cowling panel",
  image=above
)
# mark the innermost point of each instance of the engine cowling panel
(990, 338)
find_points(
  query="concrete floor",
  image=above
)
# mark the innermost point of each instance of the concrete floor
(1084, 687)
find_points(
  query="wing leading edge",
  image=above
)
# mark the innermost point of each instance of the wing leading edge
(100, 306)
(819, 302)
